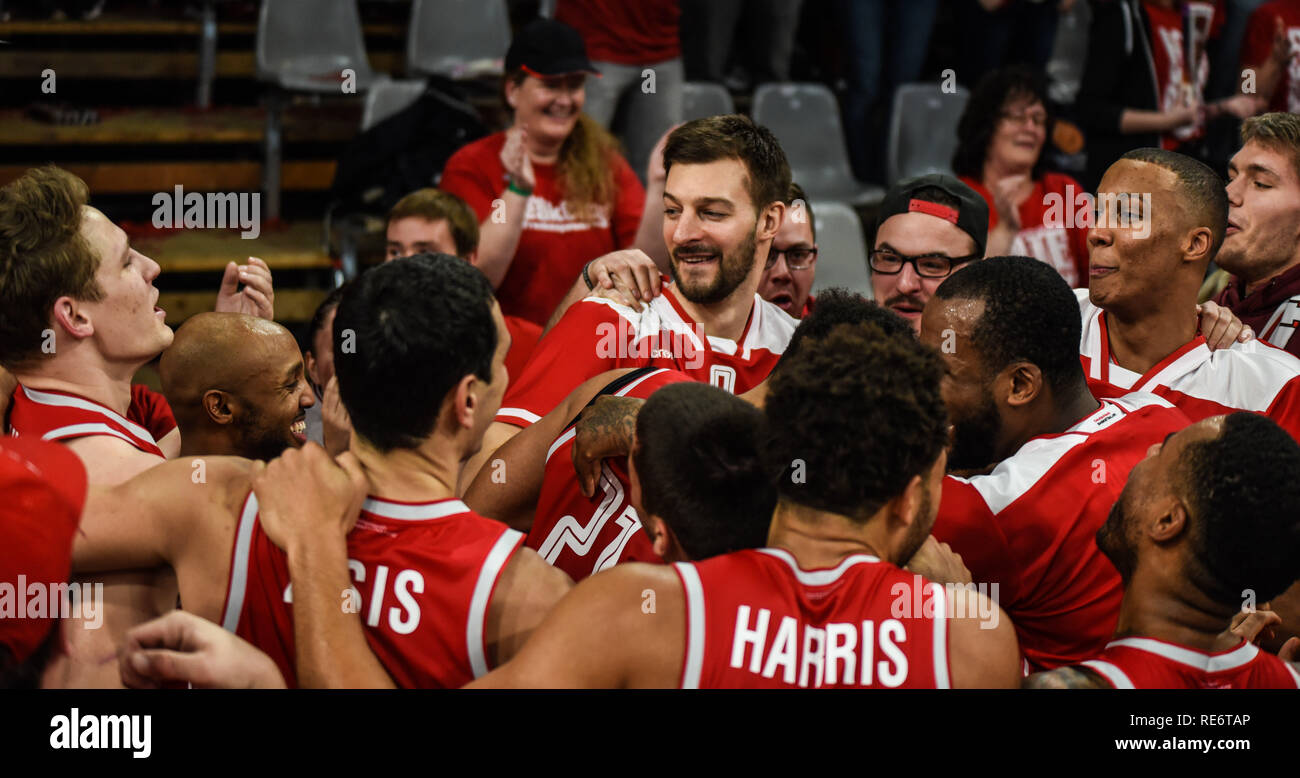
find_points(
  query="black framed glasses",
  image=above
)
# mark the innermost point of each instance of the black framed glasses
(887, 262)
(795, 258)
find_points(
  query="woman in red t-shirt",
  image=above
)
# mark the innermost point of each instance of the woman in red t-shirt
(552, 192)
(1000, 141)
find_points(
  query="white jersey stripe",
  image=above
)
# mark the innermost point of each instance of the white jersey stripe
(517, 413)
(46, 398)
(239, 565)
(476, 629)
(693, 662)
(1207, 663)
(817, 577)
(1110, 672)
(404, 512)
(940, 595)
(83, 430)
(560, 441)
(623, 392)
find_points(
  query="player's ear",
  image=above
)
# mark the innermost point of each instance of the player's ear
(466, 401)
(72, 316)
(664, 541)
(906, 507)
(770, 220)
(1020, 383)
(1171, 522)
(217, 405)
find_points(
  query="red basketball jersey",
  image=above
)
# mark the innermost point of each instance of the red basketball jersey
(1029, 527)
(423, 575)
(53, 415)
(596, 335)
(1146, 663)
(584, 535)
(755, 619)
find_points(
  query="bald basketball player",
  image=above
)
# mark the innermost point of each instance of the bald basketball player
(237, 386)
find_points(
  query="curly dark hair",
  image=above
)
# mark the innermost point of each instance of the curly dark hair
(1030, 314)
(984, 110)
(697, 458)
(1244, 500)
(405, 333)
(853, 418)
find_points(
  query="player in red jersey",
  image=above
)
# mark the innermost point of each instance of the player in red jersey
(857, 423)
(723, 204)
(699, 514)
(444, 593)
(237, 385)
(1162, 216)
(1007, 329)
(543, 489)
(1212, 515)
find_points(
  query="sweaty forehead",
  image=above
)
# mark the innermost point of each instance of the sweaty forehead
(957, 316)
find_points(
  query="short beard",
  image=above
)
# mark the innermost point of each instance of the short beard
(732, 272)
(972, 445)
(920, 529)
(258, 440)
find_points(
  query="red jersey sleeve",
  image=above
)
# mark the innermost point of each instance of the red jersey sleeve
(584, 343)
(1285, 409)
(966, 524)
(629, 204)
(151, 411)
(474, 175)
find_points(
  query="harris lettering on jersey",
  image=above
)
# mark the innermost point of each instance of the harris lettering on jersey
(868, 653)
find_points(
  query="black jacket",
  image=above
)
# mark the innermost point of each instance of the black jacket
(1120, 73)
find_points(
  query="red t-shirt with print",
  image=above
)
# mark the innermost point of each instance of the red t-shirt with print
(1062, 243)
(554, 244)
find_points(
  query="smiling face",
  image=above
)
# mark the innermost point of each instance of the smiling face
(547, 107)
(128, 325)
(788, 289)
(490, 399)
(1133, 255)
(912, 234)
(1263, 236)
(712, 232)
(1020, 133)
(274, 398)
(947, 326)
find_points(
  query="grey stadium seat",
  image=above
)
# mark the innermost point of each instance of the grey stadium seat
(457, 38)
(806, 119)
(705, 98)
(923, 130)
(304, 46)
(841, 249)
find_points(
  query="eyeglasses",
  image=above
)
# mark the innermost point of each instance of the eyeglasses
(795, 258)
(890, 263)
(1036, 119)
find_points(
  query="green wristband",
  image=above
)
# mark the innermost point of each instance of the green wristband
(513, 187)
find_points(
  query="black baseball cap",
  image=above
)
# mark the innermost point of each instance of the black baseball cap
(545, 47)
(971, 215)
